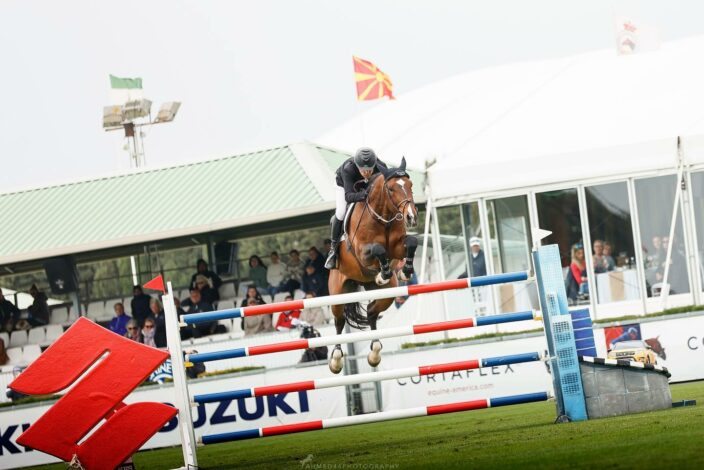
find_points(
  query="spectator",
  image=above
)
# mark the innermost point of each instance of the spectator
(195, 304)
(288, 319)
(149, 332)
(214, 281)
(314, 316)
(576, 282)
(275, 274)
(118, 324)
(600, 263)
(4, 358)
(294, 272)
(313, 354)
(139, 304)
(9, 314)
(207, 293)
(608, 250)
(39, 310)
(252, 293)
(327, 246)
(315, 257)
(313, 281)
(257, 272)
(478, 261)
(400, 300)
(256, 323)
(187, 331)
(133, 332)
(157, 315)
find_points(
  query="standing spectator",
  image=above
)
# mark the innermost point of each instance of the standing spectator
(601, 265)
(149, 332)
(252, 293)
(314, 316)
(133, 332)
(39, 310)
(9, 314)
(478, 261)
(608, 256)
(315, 257)
(286, 319)
(275, 274)
(294, 272)
(157, 315)
(139, 304)
(118, 324)
(257, 323)
(576, 282)
(214, 281)
(257, 272)
(207, 293)
(313, 281)
(195, 304)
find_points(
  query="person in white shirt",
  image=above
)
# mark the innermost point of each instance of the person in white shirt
(275, 274)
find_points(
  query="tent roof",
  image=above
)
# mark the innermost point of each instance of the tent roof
(589, 115)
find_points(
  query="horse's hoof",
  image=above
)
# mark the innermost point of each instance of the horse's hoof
(374, 356)
(336, 362)
(402, 276)
(380, 280)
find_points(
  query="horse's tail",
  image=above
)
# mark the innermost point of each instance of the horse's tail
(355, 316)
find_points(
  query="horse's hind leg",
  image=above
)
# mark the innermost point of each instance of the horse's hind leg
(379, 252)
(336, 358)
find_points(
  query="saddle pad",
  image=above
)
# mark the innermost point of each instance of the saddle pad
(348, 214)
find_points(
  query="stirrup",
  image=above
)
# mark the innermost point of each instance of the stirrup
(331, 262)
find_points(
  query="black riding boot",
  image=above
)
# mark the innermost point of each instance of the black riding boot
(331, 262)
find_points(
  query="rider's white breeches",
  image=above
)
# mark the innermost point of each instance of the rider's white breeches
(340, 203)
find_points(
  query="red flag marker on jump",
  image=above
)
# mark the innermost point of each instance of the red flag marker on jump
(156, 284)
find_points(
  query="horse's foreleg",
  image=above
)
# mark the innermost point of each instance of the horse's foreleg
(373, 311)
(379, 252)
(411, 246)
(336, 361)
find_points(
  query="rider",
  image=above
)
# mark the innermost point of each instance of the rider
(351, 179)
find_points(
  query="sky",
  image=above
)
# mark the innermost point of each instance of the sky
(256, 74)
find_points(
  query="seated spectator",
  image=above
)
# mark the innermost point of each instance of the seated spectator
(294, 272)
(252, 293)
(4, 358)
(39, 310)
(314, 316)
(313, 281)
(139, 304)
(256, 323)
(186, 331)
(133, 332)
(157, 315)
(313, 354)
(576, 282)
(149, 332)
(118, 324)
(9, 314)
(316, 258)
(214, 281)
(195, 304)
(600, 263)
(207, 293)
(257, 272)
(608, 250)
(288, 319)
(275, 274)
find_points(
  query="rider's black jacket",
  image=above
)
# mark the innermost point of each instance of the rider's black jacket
(349, 177)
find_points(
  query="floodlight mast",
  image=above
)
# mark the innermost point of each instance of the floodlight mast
(131, 117)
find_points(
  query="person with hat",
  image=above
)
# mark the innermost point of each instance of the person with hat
(478, 261)
(214, 281)
(351, 180)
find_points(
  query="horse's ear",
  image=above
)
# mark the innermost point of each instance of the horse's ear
(403, 164)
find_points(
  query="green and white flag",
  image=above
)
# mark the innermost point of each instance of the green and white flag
(125, 89)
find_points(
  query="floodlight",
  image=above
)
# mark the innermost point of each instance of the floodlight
(112, 116)
(168, 111)
(136, 109)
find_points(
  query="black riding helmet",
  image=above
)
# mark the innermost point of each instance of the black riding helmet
(365, 158)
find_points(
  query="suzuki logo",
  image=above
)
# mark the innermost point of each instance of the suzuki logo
(109, 368)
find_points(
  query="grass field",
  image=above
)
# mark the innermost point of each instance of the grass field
(515, 436)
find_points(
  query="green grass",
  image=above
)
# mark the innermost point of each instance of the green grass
(521, 436)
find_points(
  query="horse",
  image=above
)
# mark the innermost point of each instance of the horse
(376, 238)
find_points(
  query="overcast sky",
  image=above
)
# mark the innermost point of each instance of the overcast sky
(253, 74)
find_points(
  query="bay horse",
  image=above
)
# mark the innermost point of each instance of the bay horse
(375, 238)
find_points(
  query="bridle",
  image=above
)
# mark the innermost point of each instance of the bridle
(400, 207)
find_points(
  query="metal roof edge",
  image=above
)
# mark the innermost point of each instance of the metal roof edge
(315, 168)
(155, 236)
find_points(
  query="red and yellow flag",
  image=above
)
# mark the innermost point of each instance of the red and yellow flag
(372, 83)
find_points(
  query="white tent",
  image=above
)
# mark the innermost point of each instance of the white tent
(591, 115)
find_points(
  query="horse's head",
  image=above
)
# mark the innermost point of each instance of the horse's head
(399, 188)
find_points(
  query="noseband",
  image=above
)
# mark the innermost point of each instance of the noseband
(400, 207)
